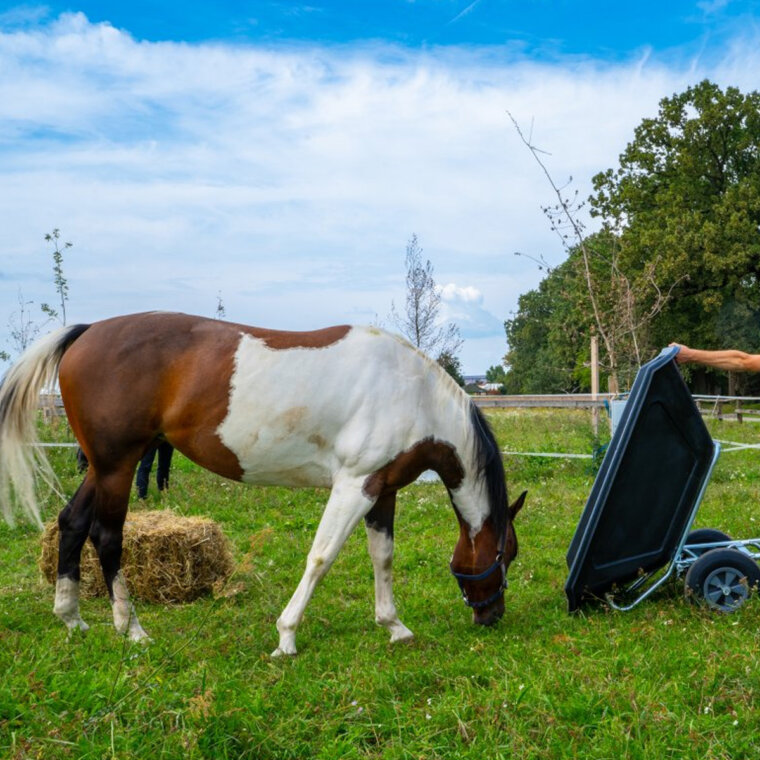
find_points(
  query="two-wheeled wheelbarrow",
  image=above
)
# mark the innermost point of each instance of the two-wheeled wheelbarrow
(635, 533)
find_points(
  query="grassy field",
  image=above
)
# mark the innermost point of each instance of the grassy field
(666, 680)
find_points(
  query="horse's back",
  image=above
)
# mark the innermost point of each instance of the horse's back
(306, 412)
(250, 403)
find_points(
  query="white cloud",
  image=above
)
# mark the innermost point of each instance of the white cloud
(464, 307)
(290, 179)
(468, 294)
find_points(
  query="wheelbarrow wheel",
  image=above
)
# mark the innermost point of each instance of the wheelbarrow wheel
(705, 536)
(722, 579)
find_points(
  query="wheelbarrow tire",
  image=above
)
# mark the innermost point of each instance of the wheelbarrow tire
(722, 579)
(705, 536)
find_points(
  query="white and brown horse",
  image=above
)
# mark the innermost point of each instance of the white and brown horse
(353, 409)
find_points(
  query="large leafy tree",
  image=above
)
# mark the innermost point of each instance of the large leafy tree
(547, 336)
(678, 255)
(687, 195)
(621, 303)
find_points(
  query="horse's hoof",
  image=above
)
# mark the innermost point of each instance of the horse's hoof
(402, 634)
(280, 652)
(76, 625)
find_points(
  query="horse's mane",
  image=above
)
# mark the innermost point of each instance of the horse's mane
(489, 463)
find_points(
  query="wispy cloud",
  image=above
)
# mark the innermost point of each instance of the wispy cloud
(23, 15)
(712, 6)
(468, 9)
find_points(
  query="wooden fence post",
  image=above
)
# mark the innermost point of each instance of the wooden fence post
(595, 384)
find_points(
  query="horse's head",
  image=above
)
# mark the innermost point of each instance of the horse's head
(480, 565)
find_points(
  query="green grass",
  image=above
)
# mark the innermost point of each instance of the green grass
(666, 680)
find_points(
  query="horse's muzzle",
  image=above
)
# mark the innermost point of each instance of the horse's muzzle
(489, 615)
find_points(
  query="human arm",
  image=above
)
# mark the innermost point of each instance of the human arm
(729, 359)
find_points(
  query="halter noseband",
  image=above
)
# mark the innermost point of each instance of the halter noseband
(497, 563)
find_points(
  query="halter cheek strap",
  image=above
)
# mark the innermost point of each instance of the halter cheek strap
(498, 563)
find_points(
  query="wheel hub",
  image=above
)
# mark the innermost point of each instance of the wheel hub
(725, 588)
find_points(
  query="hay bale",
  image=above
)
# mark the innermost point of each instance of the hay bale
(165, 558)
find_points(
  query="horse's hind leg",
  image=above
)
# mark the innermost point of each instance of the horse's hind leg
(345, 507)
(106, 533)
(73, 525)
(379, 525)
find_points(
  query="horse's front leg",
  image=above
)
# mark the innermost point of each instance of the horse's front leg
(73, 526)
(379, 524)
(106, 533)
(345, 507)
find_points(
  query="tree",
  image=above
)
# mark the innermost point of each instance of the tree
(548, 335)
(496, 374)
(622, 303)
(23, 329)
(220, 312)
(688, 191)
(420, 323)
(60, 282)
(453, 366)
(678, 253)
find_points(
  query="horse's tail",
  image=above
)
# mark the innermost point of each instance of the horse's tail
(21, 457)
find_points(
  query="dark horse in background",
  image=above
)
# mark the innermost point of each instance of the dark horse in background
(352, 409)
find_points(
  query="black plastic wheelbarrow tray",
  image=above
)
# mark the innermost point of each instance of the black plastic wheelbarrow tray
(633, 534)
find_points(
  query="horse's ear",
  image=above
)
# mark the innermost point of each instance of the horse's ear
(517, 505)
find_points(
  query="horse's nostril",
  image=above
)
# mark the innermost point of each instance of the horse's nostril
(489, 616)
(485, 619)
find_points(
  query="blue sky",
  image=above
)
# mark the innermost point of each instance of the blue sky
(537, 28)
(282, 154)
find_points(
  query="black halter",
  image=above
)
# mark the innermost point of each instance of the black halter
(497, 563)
